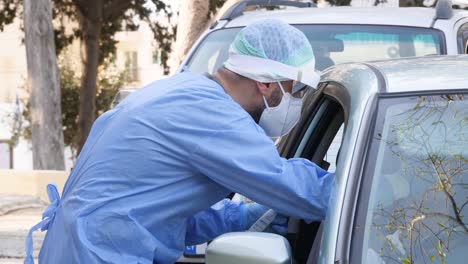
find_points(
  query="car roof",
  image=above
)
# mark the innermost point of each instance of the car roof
(403, 75)
(425, 73)
(408, 16)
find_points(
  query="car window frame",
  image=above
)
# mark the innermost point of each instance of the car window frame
(316, 150)
(322, 139)
(328, 91)
(365, 181)
(359, 154)
(290, 143)
(462, 39)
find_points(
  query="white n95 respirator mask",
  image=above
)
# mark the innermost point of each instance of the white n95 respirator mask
(280, 120)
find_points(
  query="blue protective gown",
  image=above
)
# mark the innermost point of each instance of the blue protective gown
(151, 170)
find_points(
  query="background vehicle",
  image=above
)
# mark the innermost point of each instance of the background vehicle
(400, 193)
(342, 34)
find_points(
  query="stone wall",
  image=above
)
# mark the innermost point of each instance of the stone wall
(31, 182)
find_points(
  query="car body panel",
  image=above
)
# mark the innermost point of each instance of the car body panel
(452, 71)
(401, 76)
(460, 23)
(352, 77)
(409, 16)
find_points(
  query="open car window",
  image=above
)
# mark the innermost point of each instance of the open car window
(332, 154)
(318, 139)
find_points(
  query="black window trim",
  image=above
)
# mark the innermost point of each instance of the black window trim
(335, 99)
(329, 120)
(362, 188)
(337, 92)
(288, 145)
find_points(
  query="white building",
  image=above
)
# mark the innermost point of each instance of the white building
(137, 50)
(134, 49)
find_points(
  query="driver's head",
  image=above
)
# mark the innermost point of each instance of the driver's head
(269, 64)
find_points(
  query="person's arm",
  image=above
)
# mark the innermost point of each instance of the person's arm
(229, 216)
(246, 161)
(223, 217)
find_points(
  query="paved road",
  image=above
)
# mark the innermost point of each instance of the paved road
(13, 261)
(14, 226)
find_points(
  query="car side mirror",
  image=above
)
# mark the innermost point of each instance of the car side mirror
(248, 247)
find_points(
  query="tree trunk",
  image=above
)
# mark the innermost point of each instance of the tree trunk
(91, 27)
(192, 21)
(43, 82)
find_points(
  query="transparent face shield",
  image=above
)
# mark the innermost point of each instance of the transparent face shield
(267, 71)
(299, 90)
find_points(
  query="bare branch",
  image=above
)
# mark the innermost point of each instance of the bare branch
(461, 208)
(115, 8)
(448, 217)
(81, 6)
(449, 195)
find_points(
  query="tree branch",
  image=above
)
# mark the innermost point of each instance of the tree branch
(448, 217)
(81, 6)
(115, 8)
(449, 195)
(461, 208)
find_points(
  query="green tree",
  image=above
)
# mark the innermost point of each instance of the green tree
(109, 81)
(96, 24)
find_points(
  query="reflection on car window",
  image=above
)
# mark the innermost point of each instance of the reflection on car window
(333, 44)
(333, 151)
(418, 210)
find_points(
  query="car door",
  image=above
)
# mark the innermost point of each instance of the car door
(317, 137)
(413, 193)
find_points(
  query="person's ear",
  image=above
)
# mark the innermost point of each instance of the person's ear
(264, 89)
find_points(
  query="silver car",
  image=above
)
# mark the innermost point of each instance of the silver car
(400, 195)
(341, 34)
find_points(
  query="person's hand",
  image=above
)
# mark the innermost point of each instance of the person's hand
(279, 225)
(253, 211)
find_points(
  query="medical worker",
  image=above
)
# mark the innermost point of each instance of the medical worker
(153, 173)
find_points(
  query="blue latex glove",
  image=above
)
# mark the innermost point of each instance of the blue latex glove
(251, 212)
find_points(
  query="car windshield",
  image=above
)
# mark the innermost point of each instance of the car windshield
(418, 176)
(333, 44)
